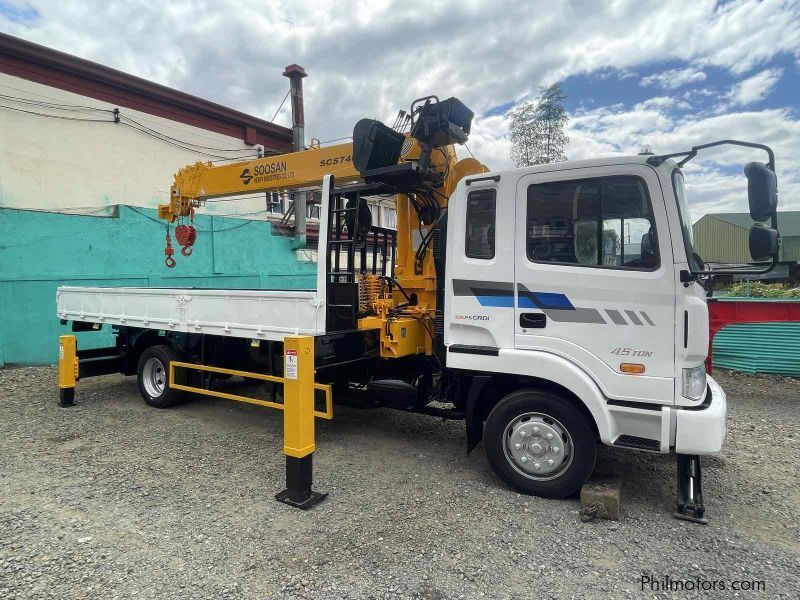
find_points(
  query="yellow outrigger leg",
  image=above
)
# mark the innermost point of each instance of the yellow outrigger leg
(298, 422)
(298, 412)
(67, 370)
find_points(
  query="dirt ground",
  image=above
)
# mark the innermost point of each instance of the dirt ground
(114, 499)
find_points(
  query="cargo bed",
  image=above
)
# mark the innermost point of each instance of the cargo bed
(256, 314)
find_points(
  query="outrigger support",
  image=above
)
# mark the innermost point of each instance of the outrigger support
(298, 492)
(298, 409)
(690, 490)
(298, 422)
(67, 370)
(298, 405)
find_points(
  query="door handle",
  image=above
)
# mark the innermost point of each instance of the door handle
(532, 320)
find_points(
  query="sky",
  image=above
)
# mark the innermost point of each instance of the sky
(667, 74)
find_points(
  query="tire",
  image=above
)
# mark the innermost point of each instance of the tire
(152, 375)
(517, 445)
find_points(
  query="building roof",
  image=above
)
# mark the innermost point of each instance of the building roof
(788, 221)
(40, 64)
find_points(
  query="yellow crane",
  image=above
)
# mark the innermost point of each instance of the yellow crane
(421, 166)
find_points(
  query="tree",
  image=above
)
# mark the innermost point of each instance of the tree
(537, 129)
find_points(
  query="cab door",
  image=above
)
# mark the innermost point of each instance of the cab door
(594, 278)
(479, 307)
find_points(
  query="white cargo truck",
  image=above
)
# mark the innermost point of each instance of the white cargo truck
(551, 307)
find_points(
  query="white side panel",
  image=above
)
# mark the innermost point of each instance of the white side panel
(256, 314)
(549, 367)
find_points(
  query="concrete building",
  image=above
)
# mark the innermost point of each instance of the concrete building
(78, 136)
(86, 154)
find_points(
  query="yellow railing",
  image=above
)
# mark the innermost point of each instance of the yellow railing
(327, 414)
(298, 406)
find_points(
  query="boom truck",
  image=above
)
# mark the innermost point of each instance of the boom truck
(551, 308)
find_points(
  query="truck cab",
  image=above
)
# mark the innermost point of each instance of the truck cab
(571, 284)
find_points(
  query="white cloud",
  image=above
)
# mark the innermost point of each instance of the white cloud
(714, 180)
(674, 78)
(754, 89)
(371, 58)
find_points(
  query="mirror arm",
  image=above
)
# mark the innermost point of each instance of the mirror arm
(687, 276)
(690, 154)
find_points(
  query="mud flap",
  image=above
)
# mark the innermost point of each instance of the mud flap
(475, 422)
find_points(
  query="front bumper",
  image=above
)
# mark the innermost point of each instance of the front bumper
(701, 430)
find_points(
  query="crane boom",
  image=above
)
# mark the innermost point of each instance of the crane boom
(199, 182)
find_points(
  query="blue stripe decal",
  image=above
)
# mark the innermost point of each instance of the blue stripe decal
(496, 301)
(554, 301)
(526, 302)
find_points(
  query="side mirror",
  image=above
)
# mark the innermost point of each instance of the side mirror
(648, 244)
(762, 191)
(764, 242)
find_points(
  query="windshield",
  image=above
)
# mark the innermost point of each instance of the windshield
(686, 221)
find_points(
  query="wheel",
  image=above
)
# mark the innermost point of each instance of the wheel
(152, 376)
(540, 444)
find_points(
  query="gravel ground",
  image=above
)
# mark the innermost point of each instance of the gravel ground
(113, 499)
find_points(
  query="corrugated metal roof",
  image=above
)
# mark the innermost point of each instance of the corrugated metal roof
(759, 348)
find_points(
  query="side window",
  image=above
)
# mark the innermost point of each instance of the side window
(480, 224)
(603, 222)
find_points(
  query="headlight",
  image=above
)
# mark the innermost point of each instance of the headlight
(694, 382)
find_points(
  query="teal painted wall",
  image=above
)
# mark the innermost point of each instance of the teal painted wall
(40, 251)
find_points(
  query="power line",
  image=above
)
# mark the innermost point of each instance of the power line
(79, 211)
(181, 141)
(347, 137)
(62, 117)
(199, 229)
(133, 124)
(178, 144)
(54, 105)
(281, 106)
(144, 129)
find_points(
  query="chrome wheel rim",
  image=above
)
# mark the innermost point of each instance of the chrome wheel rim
(538, 446)
(154, 377)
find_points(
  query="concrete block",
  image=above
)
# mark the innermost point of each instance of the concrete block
(600, 498)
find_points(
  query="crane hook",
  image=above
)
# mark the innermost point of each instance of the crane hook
(169, 251)
(186, 235)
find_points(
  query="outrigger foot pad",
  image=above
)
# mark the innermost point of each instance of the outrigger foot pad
(298, 492)
(312, 499)
(690, 490)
